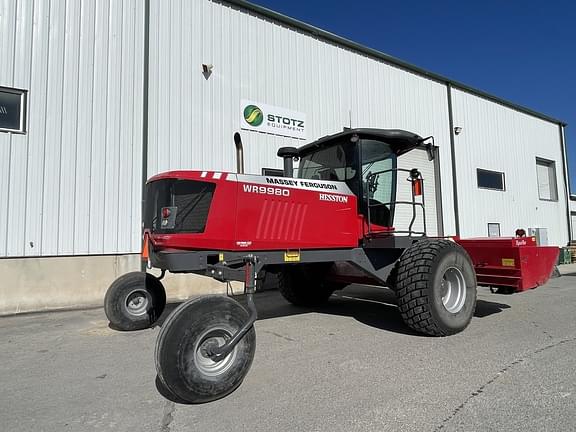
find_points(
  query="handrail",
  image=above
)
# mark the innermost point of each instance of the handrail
(415, 175)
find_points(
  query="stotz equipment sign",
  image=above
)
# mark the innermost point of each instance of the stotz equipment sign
(260, 117)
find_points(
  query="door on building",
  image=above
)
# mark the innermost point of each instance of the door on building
(403, 214)
(573, 221)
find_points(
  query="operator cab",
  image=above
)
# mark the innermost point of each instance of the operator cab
(366, 160)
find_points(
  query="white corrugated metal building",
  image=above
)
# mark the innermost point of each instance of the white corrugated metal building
(113, 92)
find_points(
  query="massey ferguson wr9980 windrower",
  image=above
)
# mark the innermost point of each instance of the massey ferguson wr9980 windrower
(329, 226)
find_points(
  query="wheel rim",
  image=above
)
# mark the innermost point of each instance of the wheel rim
(453, 290)
(214, 337)
(137, 302)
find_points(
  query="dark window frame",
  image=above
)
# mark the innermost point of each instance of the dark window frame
(549, 164)
(502, 175)
(22, 130)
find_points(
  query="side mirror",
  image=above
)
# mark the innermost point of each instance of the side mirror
(431, 151)
(430, 147)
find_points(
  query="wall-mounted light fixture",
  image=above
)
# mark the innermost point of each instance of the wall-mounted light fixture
(207, 70)
(457, 130)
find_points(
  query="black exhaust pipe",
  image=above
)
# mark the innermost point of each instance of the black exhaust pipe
(239, 154)
(288, 154)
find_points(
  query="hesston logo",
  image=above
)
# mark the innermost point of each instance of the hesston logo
(333, 198)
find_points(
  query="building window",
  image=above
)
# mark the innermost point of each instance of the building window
(493, 230)
(272, 172)
(546, 174)
(490, 179)
(12, 110)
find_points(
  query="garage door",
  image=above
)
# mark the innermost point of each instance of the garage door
(403, 214)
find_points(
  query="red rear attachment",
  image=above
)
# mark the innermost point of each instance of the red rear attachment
(518, 264)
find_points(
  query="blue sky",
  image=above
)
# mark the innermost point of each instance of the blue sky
(524, 52)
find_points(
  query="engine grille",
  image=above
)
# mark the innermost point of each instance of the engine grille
(189, 203)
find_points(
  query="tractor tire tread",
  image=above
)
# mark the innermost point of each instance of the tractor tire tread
(412, 280)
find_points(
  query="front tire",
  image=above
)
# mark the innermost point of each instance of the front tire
(134, 301)
(436, 287)
(182, 364)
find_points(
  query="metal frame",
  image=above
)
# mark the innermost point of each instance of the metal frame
(376, 260)
(393, 204)
(23, 109)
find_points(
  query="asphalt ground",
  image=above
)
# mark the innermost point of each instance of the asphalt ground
(349, 366)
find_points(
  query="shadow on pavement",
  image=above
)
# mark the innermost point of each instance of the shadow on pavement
(372, 306)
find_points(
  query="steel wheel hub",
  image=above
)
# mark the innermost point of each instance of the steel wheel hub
(137, 302)
(212, 338)
(453, 290)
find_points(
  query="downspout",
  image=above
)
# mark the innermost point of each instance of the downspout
(566, 179)
(453, 157)
(145, 79)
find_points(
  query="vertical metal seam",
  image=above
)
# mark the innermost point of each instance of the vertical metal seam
(79, 22)
(566, 179)
(44, 141)
(133, 88)
(11, 136)
(106, 126)
(119, 144)
(453, 157)
(14, 43)
(27, 136)
(89, 245)
(64, 28)
(145, 109)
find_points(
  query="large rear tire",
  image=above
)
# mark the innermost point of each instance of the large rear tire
(305, 285)
(436, 287)
(134, 301)
(183, 366)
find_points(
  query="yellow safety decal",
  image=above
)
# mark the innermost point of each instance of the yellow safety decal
(292, 256)
(508, 262)
(221, 256)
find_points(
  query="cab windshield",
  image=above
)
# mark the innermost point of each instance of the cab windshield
(338, 162)
(367, 167)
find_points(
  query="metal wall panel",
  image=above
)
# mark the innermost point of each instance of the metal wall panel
(403, 214)
(71, 185)
(499, 138)
(193, 118)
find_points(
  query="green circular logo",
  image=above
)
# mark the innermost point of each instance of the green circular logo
(253, 115)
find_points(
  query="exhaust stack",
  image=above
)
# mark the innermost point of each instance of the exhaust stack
(239, 154)
(288, 154)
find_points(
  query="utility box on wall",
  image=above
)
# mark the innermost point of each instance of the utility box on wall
(541, 235)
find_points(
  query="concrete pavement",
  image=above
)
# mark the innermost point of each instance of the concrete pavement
(350, 366)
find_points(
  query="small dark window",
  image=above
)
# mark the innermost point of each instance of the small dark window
(12, 110)
(493, 230)
(272, 172)
(490, 179)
